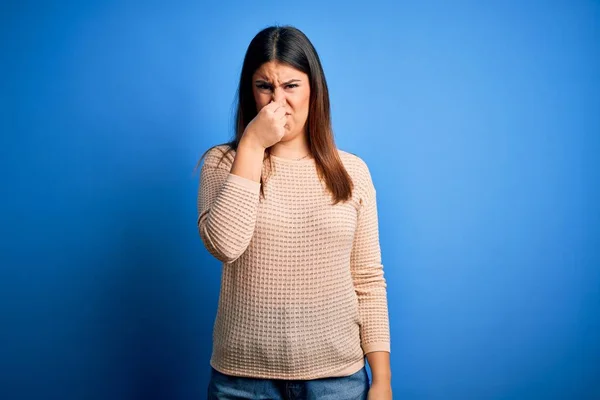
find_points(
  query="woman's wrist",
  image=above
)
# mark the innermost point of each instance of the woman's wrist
(249, 140)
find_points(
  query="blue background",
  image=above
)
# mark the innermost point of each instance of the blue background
(480, 123)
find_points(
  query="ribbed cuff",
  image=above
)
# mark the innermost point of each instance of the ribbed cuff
(241, 181)
(376, 346)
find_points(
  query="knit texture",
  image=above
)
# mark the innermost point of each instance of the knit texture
(303, 293)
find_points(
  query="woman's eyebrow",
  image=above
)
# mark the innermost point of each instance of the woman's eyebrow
(285, 83)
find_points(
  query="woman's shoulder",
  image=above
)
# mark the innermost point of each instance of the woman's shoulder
(354, 164)
(359, 172)
(220, 155)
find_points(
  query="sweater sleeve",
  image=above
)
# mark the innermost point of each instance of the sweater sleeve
(367, 272)
(227, 210)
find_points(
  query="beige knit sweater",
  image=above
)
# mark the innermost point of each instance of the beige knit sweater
(303, 293)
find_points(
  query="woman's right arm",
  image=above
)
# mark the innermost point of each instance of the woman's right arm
(228, 200)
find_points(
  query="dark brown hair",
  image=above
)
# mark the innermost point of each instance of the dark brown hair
(288, 45)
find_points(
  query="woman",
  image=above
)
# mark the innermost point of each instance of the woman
(303, 298)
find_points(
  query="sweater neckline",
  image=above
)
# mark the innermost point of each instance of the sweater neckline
(282, 160)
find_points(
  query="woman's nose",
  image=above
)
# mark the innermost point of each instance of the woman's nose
(278, 95)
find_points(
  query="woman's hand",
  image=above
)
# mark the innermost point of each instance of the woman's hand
(268, 127)
(380, 391)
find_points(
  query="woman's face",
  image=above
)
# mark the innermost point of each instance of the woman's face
(287, 85)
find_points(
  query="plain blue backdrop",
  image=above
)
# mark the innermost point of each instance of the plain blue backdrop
(480, 122)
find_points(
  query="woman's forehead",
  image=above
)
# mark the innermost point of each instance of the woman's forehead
(278, 72)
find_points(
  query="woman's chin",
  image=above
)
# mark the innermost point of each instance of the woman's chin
(289, 133)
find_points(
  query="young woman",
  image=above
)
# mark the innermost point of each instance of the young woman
(294, 221)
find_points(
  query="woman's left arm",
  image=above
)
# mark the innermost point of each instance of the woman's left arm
(371, 289)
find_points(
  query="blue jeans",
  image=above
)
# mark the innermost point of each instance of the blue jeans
(227, 387)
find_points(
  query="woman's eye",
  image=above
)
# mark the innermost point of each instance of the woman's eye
(264, 86)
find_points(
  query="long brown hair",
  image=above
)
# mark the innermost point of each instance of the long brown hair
(288, 45)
